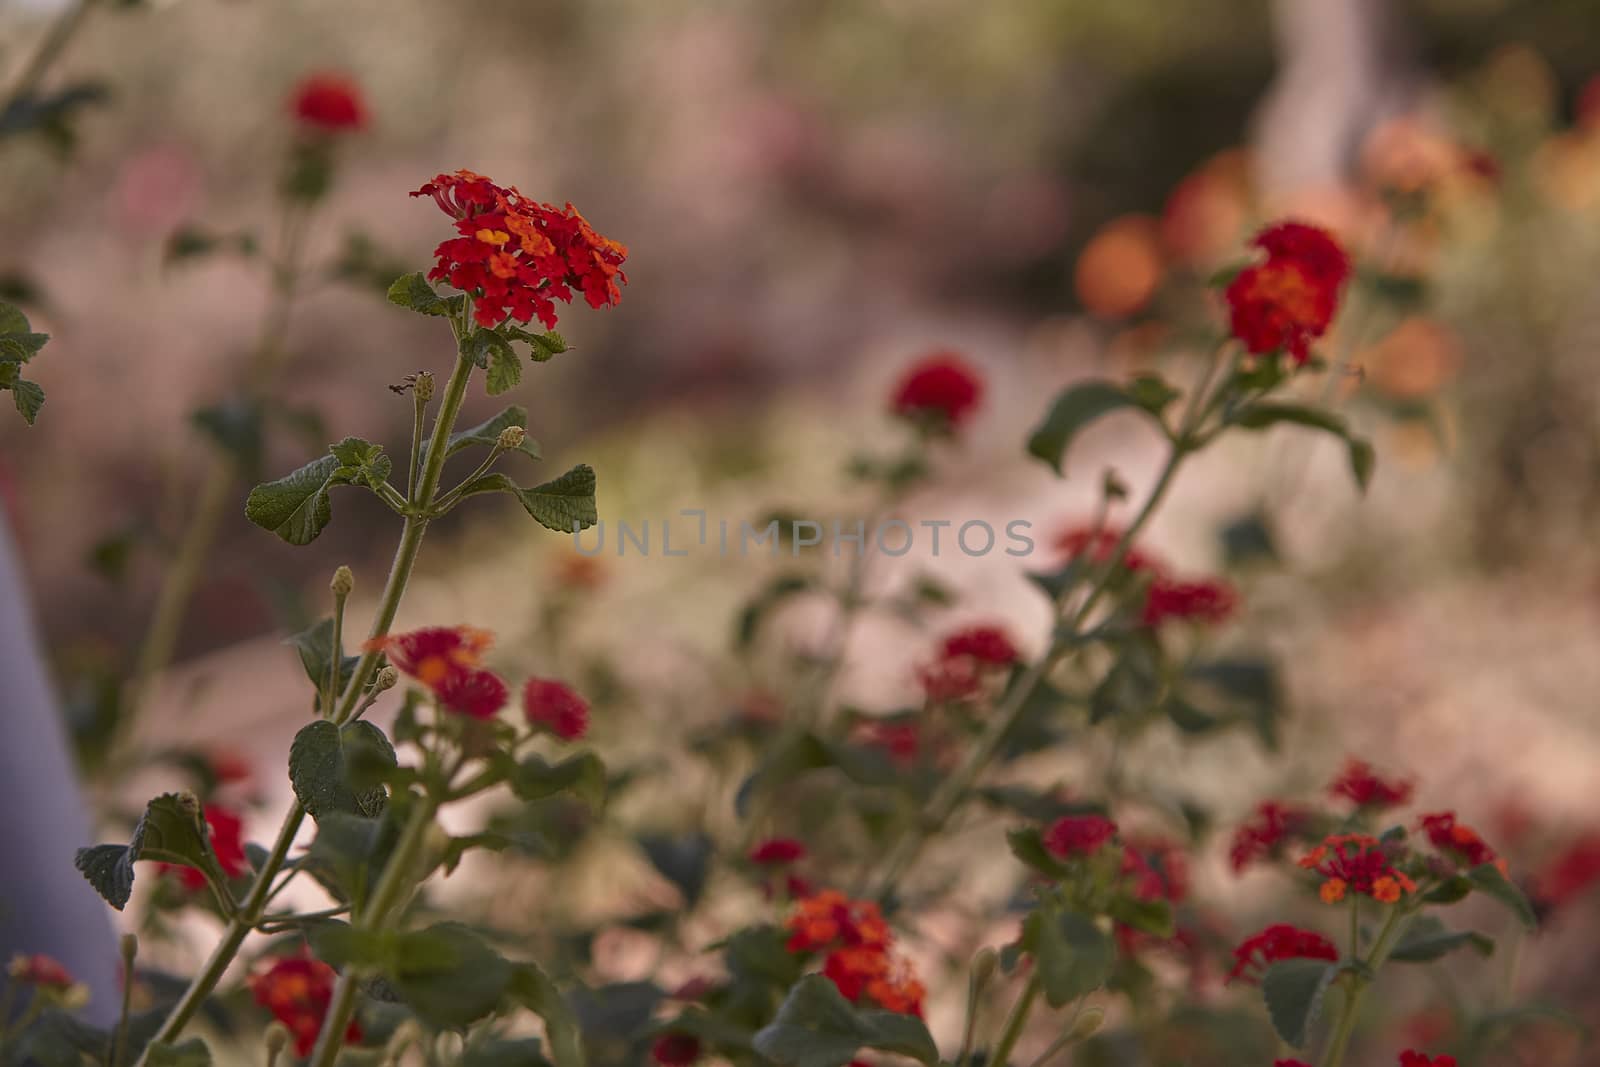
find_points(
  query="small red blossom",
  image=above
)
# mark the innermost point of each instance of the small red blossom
(297, 991)
(1277, 942)
(987, 644)
(901, 740)
(1574, 870)
(40, 970)
(1264, 834)
(1358, 784)
(1459, 840)
(777, 852)
(517, 256)
(229, 767)
(965, 659)
(1412, 1058)
(553, 706)
(1290, 1063)
(1097, 543)
(941, 387)
(330, 103)
(859, 946)
(1290, 300)
(1169, 600)
(1079, 835)
(1357, 863)
(227, 841)
(675, 1049)
(447, 660)
(1156, 869)
(475, 693)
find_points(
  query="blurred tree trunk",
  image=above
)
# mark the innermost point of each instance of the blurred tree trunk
(45, 904)
(1345, 66)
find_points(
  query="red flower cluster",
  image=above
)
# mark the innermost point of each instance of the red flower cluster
(1288, 301)
(860, 957)
(1459, 840)
(1265, 833)
(518, 256)
(553, 706)
(40, 970)
(777, 852)
(1571, 873)
(1412, 1058)
(966, 658)
(675, 1049)
(1208, 600)
(1357, 863)
(227, 841)
(901, 740)
(1279, 941)
(447, 660)
(1097, 543)
(297, 991)
(1156, 870)
(1358, 784)
(1079, 835)
(328, 103)
(941, 388)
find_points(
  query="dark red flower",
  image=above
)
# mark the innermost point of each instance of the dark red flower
(446, 660)
(901, 740)
(1097, 543)
(1358, 784)
(986, 644)
(1279, 941)
(473, 692)
(229, 767)
(297, 991)
(1357, 863)
(1156, 870)
(1288, 301)
(1169, 600)
(942, 387)
(1459, 840)
(553, 706)
(1290, 1063)
(39, 970)
(1573, 871)
(777, 851)
(964, 659)
(1412, 1058)
(331, 103)
(1265, 833)
(675, 1049)
(517, 256)
(227, 841)
(1079, 835)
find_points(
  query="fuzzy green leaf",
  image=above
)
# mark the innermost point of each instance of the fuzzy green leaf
(485, 434)
(1293, 990)
(190, 1053)
(1261, 416)
(1074, 409)
(412, 291)
(1428, 939)
(817, 1027)
(1487, 879)
(315, 646)
(564, 505)
(340, 769)
(295, 507)
(583, 775)
(1074, 954)
(172, 830)
(533, 989)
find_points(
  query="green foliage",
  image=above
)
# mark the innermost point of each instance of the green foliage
(1079, 405)
(1486, 878)
(18, 345)
(684, 860)
(349, 852)
(1027, 845)
(413, 292)
(563, 505)
(1293, 990)
(583, 775)
(1427, 939)
(1262, 415)
(236, 428)
(315, 647)
(533, 989)
(492, 351)
(1074, 955)
(172, 830)
(296, 507)
(817, 1027)
(485, 434)
(341, 769)
(189, 1053)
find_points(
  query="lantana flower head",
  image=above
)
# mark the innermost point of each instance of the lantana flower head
(515, 256)
(1289, 300)
(1572, 872)
(777, 852)
(1459, 840)
(1358, 784)
(965, 658)
(1079, 835)
(40, 970)
(1357, 863)
(1263, 836)
(1208, 600)
(860, 960)
(942, 390)
(328, 103)
(555, 706)
(1413, 1058)
(1278, 942)
(297, 991)
(447, 659)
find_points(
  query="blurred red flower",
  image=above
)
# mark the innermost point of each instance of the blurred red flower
(1358, 784)
(39, 970)
(941, 389)
(227, 841)
(1357, 863)
(329, 102)
(777, 851)
(1171, 600)
(1573, 871)
(860, 960)
(964, 658)
(554, 706)
(1290, 300)
(446, 659)
(1264, 834)
(1459, 840)
(675, 1049)
(297, 991)
(1280, 941)
(1079, 835)
(1412, 1058)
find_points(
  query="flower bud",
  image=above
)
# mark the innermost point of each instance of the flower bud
(343, 582)
(130, 949)
(1088, 1023)
(277, 1041)
(386, 679)
(511, 437)
(984, 964)
(424, 386)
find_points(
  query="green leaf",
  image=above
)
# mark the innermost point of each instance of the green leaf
(236, 428)
(760, 955)
(1027, 844)
(193, 242)
(1075, 408)
(190, 1053)
(583, 775)
(1261, 416)
(1428, 939)
(564, 505)
(503, 1052)
(348, 853)
(295, 507)
(487, 434)
(1074, 954)
(315, 647)
(29, 398)
(682, 859)
(1486, 878)
(1151, 916)
(817, 1027)
(542, 346)
(494, 352)
(1152, 393)
(1293, 990)
(534, 990)
(340, 769)
(360, 462)
(18, 343)
(448, 975)
(412, 291)
(172, 830)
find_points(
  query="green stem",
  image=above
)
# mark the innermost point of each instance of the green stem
(55, 41)
(405, 558)
(1357, 987)
(1015, 1021)
(330, 685)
